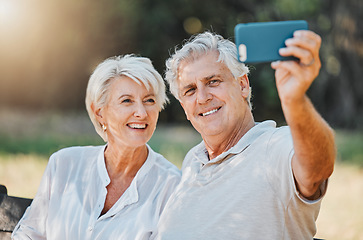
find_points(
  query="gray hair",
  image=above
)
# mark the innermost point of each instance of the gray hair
(199, 45)
(139, 69)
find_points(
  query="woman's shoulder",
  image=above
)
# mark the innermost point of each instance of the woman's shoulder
(75, 154)
(78, 150)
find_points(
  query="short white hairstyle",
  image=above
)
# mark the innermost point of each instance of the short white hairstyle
(200, 45)
(139, 69)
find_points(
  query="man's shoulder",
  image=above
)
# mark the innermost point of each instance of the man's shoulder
(280, 135)
(164, 165)
(197, 149)
(268, 129)
(193, 152)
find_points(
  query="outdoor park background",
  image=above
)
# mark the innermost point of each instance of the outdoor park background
(48, 49)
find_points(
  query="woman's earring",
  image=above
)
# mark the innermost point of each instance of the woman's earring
(104, 128)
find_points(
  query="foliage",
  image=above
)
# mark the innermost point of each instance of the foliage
(50, 48)
(43, 145)
(350, 147)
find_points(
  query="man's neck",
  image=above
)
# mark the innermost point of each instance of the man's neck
(216, 145)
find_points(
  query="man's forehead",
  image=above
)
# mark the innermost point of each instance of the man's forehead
(203, 68)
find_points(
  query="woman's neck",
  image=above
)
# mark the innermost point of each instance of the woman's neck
(125, 161)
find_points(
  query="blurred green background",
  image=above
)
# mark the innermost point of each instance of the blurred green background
(48, 49)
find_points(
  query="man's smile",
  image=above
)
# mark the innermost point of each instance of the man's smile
(210, 112)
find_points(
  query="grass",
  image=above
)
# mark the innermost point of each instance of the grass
(21, 173)
(27, 139)
(341, 210)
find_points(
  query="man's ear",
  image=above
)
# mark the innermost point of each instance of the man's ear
(245, 85)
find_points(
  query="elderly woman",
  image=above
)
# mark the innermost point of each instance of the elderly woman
(115, 191)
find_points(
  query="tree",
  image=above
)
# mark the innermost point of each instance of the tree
(49, 52)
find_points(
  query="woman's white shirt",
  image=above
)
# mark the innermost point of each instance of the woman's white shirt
(72, 193)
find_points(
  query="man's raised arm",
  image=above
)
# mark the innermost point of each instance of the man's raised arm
(313, 139)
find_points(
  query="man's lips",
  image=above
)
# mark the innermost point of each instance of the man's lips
(209, 112)
(137, 125)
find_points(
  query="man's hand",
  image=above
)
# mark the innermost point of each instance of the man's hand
(313, 161)
(293, 78)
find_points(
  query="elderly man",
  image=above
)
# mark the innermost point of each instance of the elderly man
(247, 180)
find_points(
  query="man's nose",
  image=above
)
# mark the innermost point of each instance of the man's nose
(203, 95)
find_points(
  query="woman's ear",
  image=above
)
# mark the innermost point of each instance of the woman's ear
(97, 112)
(245, 85)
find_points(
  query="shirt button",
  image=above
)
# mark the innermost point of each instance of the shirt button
(90, 228)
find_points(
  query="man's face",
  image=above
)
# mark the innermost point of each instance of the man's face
(213, 100)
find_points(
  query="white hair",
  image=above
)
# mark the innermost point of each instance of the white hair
(139, 69)
(199, 45)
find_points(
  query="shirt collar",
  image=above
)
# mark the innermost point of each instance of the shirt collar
(131, 195)
(101, 167)
(202, 154)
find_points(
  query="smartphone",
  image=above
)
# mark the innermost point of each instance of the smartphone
(260, 42)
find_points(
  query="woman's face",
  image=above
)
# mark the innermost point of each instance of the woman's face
(131, 113)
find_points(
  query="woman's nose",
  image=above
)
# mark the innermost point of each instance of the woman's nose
(140, 111)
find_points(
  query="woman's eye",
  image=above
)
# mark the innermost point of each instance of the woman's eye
(126, 100)
(150, 100)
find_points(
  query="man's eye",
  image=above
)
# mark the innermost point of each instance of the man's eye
(214, 82)
(189, 92)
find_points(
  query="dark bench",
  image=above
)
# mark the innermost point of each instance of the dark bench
(11, 210)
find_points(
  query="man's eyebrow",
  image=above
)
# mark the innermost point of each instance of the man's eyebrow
(191, 85)
(209, 77)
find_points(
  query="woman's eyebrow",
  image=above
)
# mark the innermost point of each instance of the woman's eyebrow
(124, 95)
(150, 95)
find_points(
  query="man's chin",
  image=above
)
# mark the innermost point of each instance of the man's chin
(211, 133)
